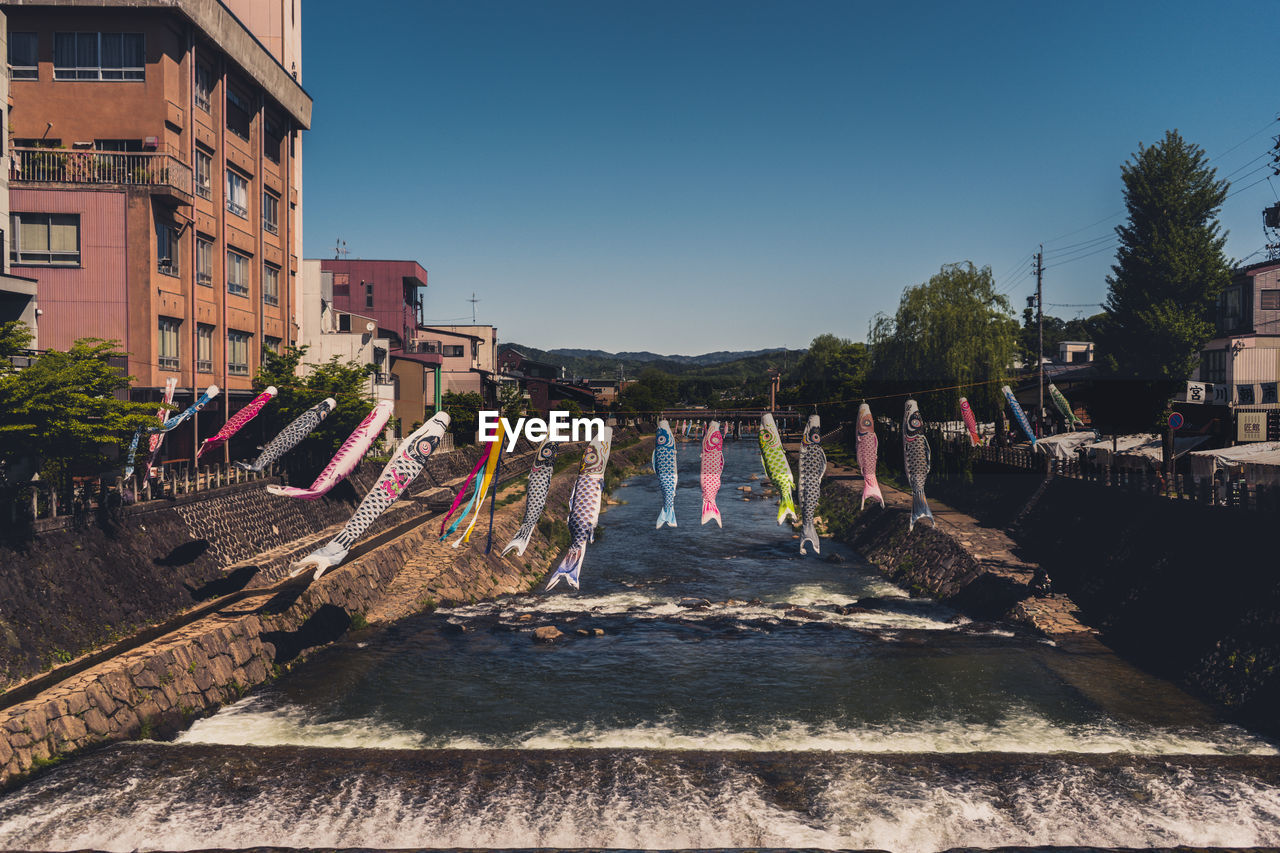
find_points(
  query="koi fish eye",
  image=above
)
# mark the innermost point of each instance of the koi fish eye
(427, 445)
(914, 423)
(590, 456)
(865, 422)
(545, 452)
(714, 440)
(663, 437)
(815, 437)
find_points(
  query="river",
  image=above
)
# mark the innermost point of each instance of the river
(713, 689)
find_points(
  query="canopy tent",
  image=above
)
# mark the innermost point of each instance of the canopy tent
(1100, 451)
(1206, 463)
(1261, 468)
(1151, 454)
(1065, 445)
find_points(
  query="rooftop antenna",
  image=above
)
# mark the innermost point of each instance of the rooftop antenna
(473, 302)
(340, 249)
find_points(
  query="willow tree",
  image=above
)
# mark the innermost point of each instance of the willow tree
(953, 332)
(1169, 270)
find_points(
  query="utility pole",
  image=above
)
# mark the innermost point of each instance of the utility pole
(473, 302)
(1040, 322)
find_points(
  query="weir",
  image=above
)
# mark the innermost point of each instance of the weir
(706, 688)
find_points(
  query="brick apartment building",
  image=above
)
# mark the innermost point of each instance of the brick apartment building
(155, 183)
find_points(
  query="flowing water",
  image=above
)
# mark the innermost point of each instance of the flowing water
(713, 689)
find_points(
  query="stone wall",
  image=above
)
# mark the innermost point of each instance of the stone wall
(67, 591)
(160, 686)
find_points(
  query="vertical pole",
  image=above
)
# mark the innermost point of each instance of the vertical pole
(1040, 323)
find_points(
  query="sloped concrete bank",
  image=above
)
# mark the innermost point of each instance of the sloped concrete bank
(972, 567)
(161, 686)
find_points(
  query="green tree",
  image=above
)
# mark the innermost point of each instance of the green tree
(15, 338)
(511, 402)
(832, 369)
(464, 415)
(63, 414)
(953, 330)
(345, 381)
(1169, 270)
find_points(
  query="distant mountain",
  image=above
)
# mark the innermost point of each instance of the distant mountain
(594, 363)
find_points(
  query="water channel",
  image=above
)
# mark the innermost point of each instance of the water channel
(713, 689)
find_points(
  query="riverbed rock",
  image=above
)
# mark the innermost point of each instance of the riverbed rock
(547, 634)
(801, 613)
(695, 603)
(834, 558)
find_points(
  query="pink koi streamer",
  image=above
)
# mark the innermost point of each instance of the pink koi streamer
(238, 420)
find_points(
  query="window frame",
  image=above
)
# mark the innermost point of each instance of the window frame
(203, 96)
(239, 208)
(168, 236)
(241, 261)
(97, 71)
(268, 346)
(238, 105)
(237, 341)
(204, 252)
(270, 203)
(20, 72)
(204, 348)
(169, 333)
(453, 350)
(270, 273)
(21, 257)
(204, 188)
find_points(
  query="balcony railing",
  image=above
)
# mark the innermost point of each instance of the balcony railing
(58, 166)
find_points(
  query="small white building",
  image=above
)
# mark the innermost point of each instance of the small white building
(327, 332)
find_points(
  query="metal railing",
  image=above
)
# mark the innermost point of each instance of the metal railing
(58, 166)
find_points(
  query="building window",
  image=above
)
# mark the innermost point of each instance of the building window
(119, 146)
(270, 344)
(237, 193)
(204, 262)
(204, 174)
(23, 64)
(368, 296)
(239, 113)
(1213, 366)
(45, 239)
(169, 343)
(204, 86)
(167, 248)
(270, 212)
(273, 136)
(238, 353)
(204, 348)
(99, 56)
(452, 351)
(270, 284)
(1270, 300)
(237, 273)
(1231, 309)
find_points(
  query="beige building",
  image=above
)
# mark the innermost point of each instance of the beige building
(470, 358)
(327, 331)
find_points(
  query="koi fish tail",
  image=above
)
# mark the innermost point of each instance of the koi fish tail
(810, 535)
(871, 492)
(787, 507)
(569, 567)
(919, 510)
(520, 542)
(710, 511)
(667, 516)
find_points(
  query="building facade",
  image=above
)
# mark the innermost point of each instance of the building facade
(328, 332)
(1243, 359)
(155, 186)
(392, 294)
(469, 358)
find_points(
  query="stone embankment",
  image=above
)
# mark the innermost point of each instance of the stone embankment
(956, 559)
(160, 686)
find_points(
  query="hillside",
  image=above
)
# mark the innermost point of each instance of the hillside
(598, 364)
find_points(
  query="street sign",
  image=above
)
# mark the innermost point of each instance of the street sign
(1175, 421)
(1251, 426)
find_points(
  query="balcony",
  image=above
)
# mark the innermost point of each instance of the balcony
(162, 172)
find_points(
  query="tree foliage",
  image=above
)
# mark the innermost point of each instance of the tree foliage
(1056, 330)
(833, 369)
(464, 415)
(346, 382)
(953, 330)
(1170, 268)
(63, 414)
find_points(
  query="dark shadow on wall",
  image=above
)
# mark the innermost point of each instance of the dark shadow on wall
(324, 626)
(233, 582)
(184, 554)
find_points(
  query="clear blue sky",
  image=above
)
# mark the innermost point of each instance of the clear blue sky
(692, 176)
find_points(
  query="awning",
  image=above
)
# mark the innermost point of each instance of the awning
(1206, 463)
(1065, 445)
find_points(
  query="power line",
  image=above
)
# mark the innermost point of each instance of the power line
(1090, 243)
(1089, 254)
(1243, 141)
